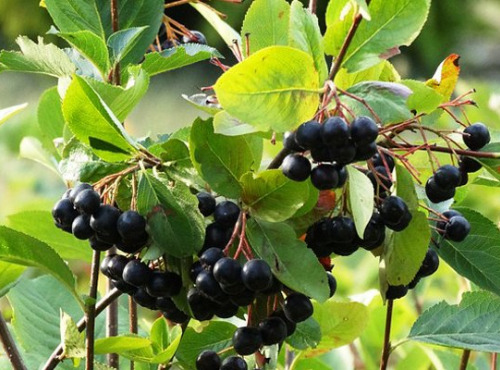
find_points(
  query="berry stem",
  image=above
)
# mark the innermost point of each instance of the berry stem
(132, 311)
(465, 359)
(494, 361)
(386, 350)
(90, 313)
(10, 346)
(312, 6)
(54, 358)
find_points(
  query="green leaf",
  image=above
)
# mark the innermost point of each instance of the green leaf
(9, 275)
(228, 125)
(175, 224)
(177, 57)
(50, 119)
(280, 80)
(228, 34)
(123, 99)
(9, 112)
(24, 250)
(405, 250)
(73, 342)
(91, 47)
(122, 42)
(216, 336)
(166, 355)
(424, 98)
(473, 324)
(266, 23)
(277, 244)
(271, 196)
(492, 165)
(75, 15)
(307, 335)
(120, 344)
(40, 225)
(94, 124)
(361, 194)
(477, 257)
(387, 99)
(393, 24)
(31, 148)
(340, 322)
(36, 58)
(383, 71)
(160, 337)
(304, 34)
(222, 160)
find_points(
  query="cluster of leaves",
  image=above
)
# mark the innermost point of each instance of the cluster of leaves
(273, 89)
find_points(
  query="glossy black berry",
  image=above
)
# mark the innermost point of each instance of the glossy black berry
(216, 235)
(275, 287)
(235, 288)
(234, 363)
(116, 266)
(447, 177)
(441, 225)
(245, 298)
(81, 227)
(196, 268)
(132, 245)
(176, 316)
(195, 37)
(165, 304)
(403, 224)
(365, 152)
(256, 275)
(170, 310)
(363, 130)
(323, 153)
(332, 284)
(272, 330)
(87, 201)
(164, 284)
(457, 229)
(321, 233)
(477, 136)
(396, 291)
(344, 154)
(131, 225)
(64, 213)
(246, 340)
(469, 164)
(392, 210)
(210, 257)
(289, 142)
(202, 308)
(104, 221)
(124, 287)
(335, 131)
(378, 160)
(227, 271)
(136, 273)
(343, 229)
(99, 245)
(296, 167)
(435, 193)
(374, 233)
(226, 213)
(142, 298)
(77, 190)
(226, 310)
(342, 171)
(104, 266)
(308, 135)
(206, 283)
(324, 177)
(297, 307)
(206, 203)
(290, 326)
(429, 265)
(208, 360)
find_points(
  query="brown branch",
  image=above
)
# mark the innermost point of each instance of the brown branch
(54, 358)
(465, 359)
(90, 313)
(386, 350)
(112, 320)
(494, 361)
(132, 311)
(10, 347)
(441, 149)
(115, 73)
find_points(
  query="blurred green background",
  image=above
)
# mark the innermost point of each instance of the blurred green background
(470, 28)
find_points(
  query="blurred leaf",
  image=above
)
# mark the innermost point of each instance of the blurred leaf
(178, 57)
(94, 124)
(486, 181)
(24, 250)
(91, 46)
(266, 23)
(271, 196)
(306, 335)
(392, 24)
(9, 275)
(277, 244)
(203, 102)
(472, 324)
(228, 125)
(383, 72)
(228, 34)
(50, 119)
(492, 165)
(120, 344)
(174, 222)
(37, 58)
(40, 225)
(76, 156)
(216, 336)
(73, 342)
(271, 75)
(446, 76)
(31, 148)
(75, 15)
(387, 99)
(222, 160)
(123, 41)
(304, 34)
(340, 322)
(361, 194)
(424, 99)
(9, 112)
(477, 258)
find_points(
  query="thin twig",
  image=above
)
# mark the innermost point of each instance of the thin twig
(114, 22)
(465, 359)
(312, 6)
(112, 320)
(54, 358)
(494, 361)
(386, 350)
(435, 148)
(9, 346)
(90, 313)
(132, 312)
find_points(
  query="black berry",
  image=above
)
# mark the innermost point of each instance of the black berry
(396, 291)
(469, 164)
(208, 360)
(226, 213)
(64, 213)
(210, 257)
(131, 225)
(247, 340)
(335, 131)
(136, 273)
(324, 177)
(308, 135)
(81, 227)
(447, 177)
(256, 275)
(363, 130)
(289, 142)
(116, 266)
(164, 284)
(297, 307)
(206, 203)
(435, 193)
(393, 210)
(457, 229)
(77, 190)
(429, 265)
(332, 284)
(296, 167)
(378, 160)
(273, 330)
(477, 136)
(234, 363)
(104, 221)
(227, 271)
(87, 201)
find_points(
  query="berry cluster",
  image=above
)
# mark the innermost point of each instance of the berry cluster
(81, 213)
(332, 144)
